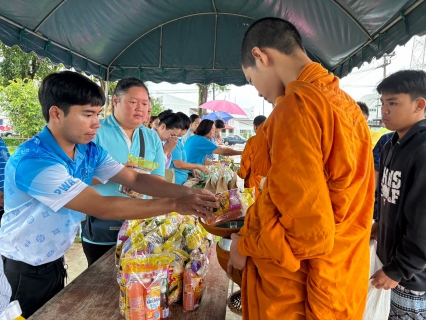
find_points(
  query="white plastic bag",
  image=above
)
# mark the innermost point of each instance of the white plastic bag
(378, 300)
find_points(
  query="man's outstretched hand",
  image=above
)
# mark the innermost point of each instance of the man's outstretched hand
(198, 202)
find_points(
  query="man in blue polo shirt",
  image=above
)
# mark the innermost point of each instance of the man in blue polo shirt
(121, 134)
(46, 190)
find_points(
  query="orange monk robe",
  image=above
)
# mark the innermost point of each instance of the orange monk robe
(307, 235)
(247, 171)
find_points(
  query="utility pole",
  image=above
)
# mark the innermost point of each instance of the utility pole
(387, 59)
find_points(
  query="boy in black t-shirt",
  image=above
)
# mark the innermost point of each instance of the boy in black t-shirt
(401, 224)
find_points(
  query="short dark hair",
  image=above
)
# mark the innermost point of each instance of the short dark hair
(193, 117)
(170, 119)
(412, 82)
(259, 120)
(219, 124)
(186, 122)
(364, 108)
(65, 89)
(204, 128)
(124, 85)
(152, 119)
(274, 33)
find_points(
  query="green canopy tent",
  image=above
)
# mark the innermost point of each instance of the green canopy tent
(198, 41)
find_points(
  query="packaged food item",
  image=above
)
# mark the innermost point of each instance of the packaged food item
(233, 204)
(193, 280)
(193, 289)
(140, 279)
(143, 166)
(155, 254)
(164, 302)
(136, 297)
(153, 299)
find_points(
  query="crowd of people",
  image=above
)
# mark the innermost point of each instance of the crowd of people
(325, 185)
(75, 150)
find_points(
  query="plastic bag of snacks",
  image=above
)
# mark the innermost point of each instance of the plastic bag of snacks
(181, 238)
(143, 166)
(193, 280)
(233, 204)
(140, 283)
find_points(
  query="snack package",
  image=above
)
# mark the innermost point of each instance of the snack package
(175, 274)
(233, 205)
(159, 248)
(143, 166)
(193, 280)
(140, 282)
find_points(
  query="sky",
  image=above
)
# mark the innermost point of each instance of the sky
(359, 83)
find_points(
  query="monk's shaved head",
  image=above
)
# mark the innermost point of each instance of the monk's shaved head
(273, 33)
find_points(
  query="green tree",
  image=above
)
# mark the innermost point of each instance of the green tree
(19, 102)
(205, 90)
(157, 106)
(17, 64)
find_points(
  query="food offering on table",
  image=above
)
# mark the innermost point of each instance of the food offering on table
(228, 162)
(233, 204)
(143, 166)
(193, 280)
(157, 252)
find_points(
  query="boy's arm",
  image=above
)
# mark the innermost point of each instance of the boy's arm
(410, 255)
(152, 186)
(90, 202)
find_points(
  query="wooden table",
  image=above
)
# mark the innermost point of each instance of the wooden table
(94, 295)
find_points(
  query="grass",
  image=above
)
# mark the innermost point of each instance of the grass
(11, 149)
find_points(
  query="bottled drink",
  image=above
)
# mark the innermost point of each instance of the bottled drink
(164, 302)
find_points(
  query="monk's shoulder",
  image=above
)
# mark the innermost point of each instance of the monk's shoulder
(303, 100)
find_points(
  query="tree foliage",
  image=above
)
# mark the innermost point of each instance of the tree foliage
(17, 64)
(157, 106)
(19, 102)
(205, 90)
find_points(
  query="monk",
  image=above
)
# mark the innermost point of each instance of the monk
(304, 248)
(246, 171)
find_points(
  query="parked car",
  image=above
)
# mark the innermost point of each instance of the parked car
(234, 139)
(6, 131)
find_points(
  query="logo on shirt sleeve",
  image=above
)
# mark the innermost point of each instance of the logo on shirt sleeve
(391, 185)
(64, 187)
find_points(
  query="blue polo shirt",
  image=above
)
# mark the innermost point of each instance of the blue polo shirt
(187, 135)
(179, 153)
(113, 139)
(197, 148)
(40, 179)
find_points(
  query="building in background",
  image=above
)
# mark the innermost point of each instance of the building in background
(375, 107)
(178, 104)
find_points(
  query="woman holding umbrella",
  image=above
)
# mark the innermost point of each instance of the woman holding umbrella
(200, 145)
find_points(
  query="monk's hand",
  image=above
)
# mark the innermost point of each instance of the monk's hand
(237, 260)
(382, 281)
